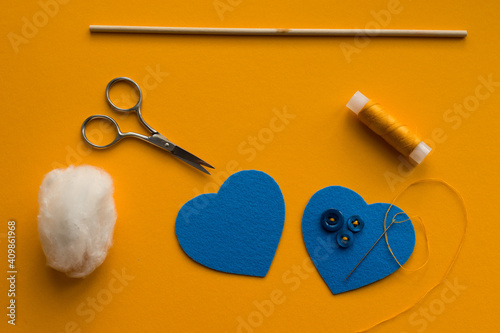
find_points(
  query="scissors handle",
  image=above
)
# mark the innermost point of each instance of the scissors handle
(119, 134)
(136, 108)
(137, 105)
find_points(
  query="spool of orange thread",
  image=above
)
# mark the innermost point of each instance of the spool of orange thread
(392, 131)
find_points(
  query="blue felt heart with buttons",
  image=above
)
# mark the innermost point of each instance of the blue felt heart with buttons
(339, 228)
(236, 230)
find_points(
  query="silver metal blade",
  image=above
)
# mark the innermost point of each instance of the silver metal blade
(162, 142)
(193, 164)
(183, 154)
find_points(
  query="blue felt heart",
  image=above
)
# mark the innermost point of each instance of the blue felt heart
(333, 261)
(236, 230)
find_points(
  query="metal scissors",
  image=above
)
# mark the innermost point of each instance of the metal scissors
(156, 138)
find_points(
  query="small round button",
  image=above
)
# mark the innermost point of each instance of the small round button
(345, 238)
(332, 220)
(355, 223)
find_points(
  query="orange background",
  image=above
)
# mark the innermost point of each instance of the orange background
(209, 95)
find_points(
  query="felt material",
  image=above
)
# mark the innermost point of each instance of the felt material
(236, 230)
(334, 263)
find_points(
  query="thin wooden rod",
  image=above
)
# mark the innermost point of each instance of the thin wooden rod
(278, 32)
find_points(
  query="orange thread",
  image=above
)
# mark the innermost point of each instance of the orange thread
(384, 233)
(426, 242)
(391, 130)
(452, 262)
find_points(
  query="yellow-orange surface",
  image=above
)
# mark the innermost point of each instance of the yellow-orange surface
(212, 95)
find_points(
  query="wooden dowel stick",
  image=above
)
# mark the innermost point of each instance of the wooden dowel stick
(279, 32)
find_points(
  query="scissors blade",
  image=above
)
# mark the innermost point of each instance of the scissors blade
(160, 141)
(185, 155)
(193, 164)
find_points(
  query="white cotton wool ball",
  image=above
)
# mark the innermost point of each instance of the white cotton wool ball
(76, 219)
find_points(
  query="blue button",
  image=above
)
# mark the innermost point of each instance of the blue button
(345, 238)
(355, 223)
(332, 220)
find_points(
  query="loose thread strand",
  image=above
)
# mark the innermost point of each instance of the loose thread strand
(428, 251)
(371, 248)
(382, 235)
(452, 262)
